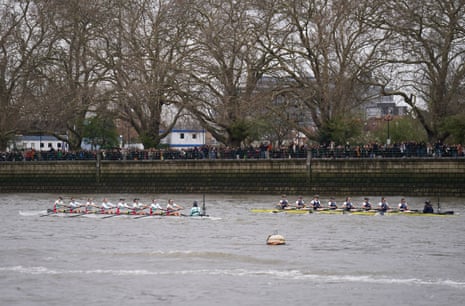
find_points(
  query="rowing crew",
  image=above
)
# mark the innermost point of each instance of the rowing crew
(315, 204)
(136, 208)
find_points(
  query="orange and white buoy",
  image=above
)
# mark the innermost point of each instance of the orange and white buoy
(275, 240)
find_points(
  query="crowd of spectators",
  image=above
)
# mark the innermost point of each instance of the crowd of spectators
(374, 150)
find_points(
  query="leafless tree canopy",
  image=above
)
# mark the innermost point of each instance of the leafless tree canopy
(426, 59)
(233, 65)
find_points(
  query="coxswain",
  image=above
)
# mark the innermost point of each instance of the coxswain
(195, 210)
(366, 205)
(428, 208)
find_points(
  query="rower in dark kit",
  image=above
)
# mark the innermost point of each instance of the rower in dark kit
(403, 206)
(383, 206)
(347, 206)
(316, 202)
(283, 203)
(366, 205)
(332, 203)
(299, 204)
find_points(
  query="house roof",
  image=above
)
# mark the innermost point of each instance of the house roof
(36, 138)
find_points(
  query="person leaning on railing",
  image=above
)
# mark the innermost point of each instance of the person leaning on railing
(373, 150)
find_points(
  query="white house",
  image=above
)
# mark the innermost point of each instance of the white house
(37, 143)
(185, 138)
(176, 139)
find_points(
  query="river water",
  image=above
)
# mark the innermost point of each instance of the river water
(327, 259)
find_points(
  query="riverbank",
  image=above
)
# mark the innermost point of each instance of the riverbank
(409, 176)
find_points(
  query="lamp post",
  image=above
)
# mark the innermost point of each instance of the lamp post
(388, 118)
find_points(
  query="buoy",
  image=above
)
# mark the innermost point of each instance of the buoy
(275, 240)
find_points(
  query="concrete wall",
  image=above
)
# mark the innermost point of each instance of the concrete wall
(337, 177)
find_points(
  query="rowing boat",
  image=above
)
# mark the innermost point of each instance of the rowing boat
(373, 212)
(351, 212)
(287, 211)
(100, 215)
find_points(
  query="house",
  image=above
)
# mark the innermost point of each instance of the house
(37, 143)
(185, 138)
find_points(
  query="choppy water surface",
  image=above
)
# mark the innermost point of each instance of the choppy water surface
(328, 259)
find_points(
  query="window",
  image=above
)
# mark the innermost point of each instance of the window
(49, 144)
(194, 136)
(181, 135)
(41, 145)
(58, 145)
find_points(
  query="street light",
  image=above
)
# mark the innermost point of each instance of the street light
(388, 118)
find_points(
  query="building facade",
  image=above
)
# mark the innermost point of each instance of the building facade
(185, 138)
(38, 143)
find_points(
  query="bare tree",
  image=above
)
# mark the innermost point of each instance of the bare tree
(329, 48)
(425, 62)
(147, 42)
(224, 70)
(24, 52)
(80, 79)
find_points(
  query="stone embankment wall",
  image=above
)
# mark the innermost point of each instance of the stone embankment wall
(413, 177)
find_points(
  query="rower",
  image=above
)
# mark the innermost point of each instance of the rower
(348, 204)
(90, 205)
(155, 208)
(403, 205)
(366, 205)
(137, 207)
(73, 205)
(332, 203)
(122, 205)
(316, 202)
(58, 204)
(383, 206)
(106, 207)
(172, 209)
(283, 203)
(299, 204)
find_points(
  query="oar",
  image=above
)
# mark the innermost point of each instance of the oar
(110, 216)
(77, 215)
(143, 216)
(148, 215)
(204, 210)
